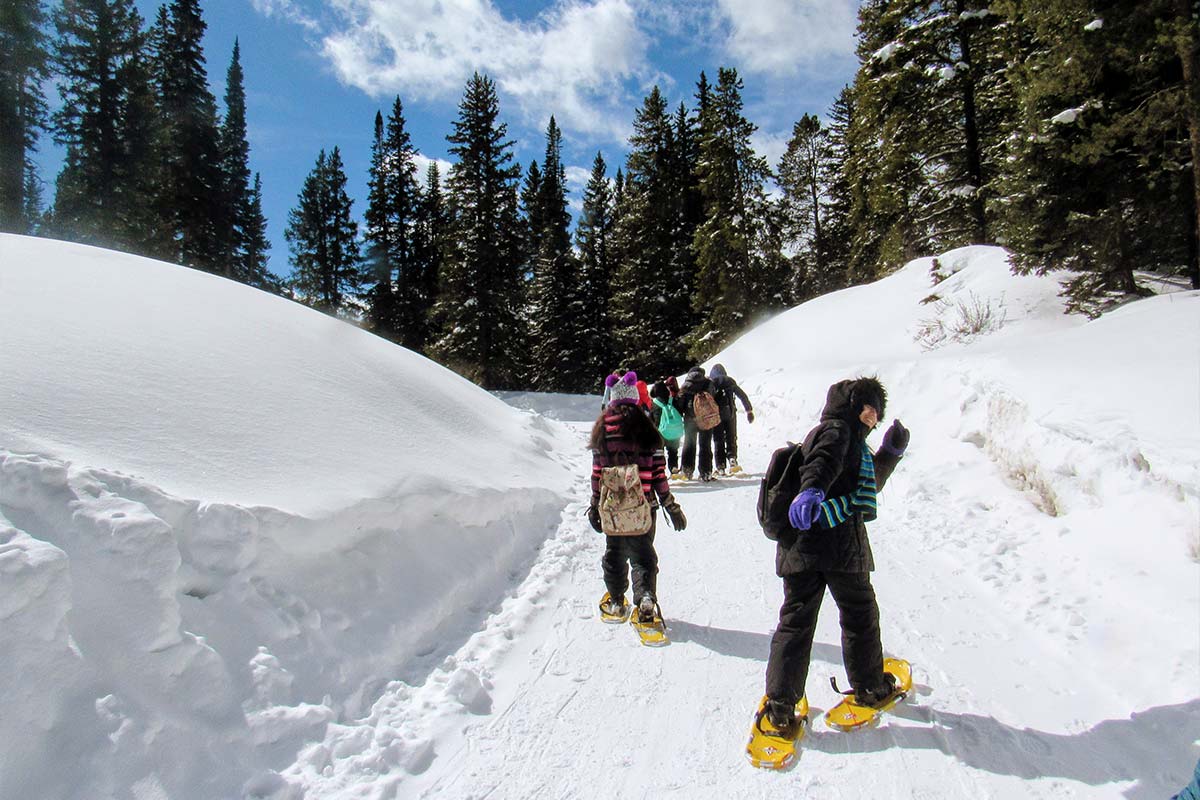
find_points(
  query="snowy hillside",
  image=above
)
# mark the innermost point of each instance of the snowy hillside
(249, 551)
(226, 519)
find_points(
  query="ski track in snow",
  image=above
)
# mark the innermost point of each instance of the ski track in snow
(581, 709)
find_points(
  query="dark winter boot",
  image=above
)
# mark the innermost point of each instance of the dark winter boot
(646, 609)
(782, 716)
(877, 695)
(611, 607)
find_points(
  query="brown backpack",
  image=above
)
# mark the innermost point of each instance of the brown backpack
(624, 510)
(706, 411)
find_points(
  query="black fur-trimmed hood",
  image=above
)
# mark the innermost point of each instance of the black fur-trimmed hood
(846, 399)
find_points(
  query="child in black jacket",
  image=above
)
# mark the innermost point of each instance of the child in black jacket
(829, 548)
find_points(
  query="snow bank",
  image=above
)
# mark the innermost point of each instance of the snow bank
(1093, 423)
(227, 521)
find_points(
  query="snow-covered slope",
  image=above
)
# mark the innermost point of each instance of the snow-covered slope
(1037, 554)
(226, 519)
(1037, 563)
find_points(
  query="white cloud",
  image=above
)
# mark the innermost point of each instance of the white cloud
(572, 61)
(287, 9)
(770, 146)
(577, 181)
(785, 37)
(423, 163)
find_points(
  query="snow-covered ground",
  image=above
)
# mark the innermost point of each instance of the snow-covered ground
(249, 551)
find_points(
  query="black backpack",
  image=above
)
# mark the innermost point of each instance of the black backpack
(779, 487)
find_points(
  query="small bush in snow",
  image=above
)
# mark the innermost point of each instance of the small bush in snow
(960, 321)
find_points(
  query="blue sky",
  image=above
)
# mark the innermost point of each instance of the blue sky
(316, 71)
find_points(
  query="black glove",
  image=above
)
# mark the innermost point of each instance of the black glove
(895, 439)
(674, 513)
(594, 518)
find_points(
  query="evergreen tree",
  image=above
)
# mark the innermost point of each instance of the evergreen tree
(23, 67)
(193, 186)
(255, 244)
(531, 213)
(688, 207)
(106, 122)
(323, 239)
(429, 248)
(737, 274)
(593, 240)
(413, 299)
(242, 259)
(831, 271)
(801, 175)
(480, 291)
(558, 354)
(379, 267)
(398, 302)
(1099, 179)
(650, 305)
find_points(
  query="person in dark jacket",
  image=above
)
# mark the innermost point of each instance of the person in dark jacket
(829, 548)
(623, 434)
(725, 389)
(694, 383)
(661, 397)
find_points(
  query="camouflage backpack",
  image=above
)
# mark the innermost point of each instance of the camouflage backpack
(624, 510)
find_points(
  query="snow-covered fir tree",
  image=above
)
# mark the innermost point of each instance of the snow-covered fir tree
(1101, 176)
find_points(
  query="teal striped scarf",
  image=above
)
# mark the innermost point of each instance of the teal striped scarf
(837, 510)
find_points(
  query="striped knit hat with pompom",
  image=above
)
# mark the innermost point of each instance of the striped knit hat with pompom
(623, 389)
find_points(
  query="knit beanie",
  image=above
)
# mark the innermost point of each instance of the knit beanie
(623, 389)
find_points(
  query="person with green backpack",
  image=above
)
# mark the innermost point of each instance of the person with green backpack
(666, 412)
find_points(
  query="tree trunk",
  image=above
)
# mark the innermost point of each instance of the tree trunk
(1189, 55)
(971, 133)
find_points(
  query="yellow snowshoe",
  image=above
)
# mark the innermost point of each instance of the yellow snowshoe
(611, 613)
(849, 715)
(768, 748)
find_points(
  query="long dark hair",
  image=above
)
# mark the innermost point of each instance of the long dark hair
(635, 425)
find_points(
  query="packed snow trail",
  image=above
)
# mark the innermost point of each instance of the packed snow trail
(1006, 704)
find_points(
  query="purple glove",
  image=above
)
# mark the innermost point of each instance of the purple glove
(895, 439)
(802, 513)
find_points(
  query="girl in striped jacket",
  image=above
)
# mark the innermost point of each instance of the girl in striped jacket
(623, 434)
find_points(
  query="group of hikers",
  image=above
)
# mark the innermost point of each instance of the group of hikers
(700, 417)
(824, 540)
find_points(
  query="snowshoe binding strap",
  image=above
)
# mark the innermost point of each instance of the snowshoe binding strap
(774, 734)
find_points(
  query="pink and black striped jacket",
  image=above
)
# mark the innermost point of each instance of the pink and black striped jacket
(619, 449)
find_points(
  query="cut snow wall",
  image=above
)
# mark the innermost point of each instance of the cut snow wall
(189, 646)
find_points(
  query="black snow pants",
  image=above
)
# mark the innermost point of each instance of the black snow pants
(791, 646)
(688, 458)
(672, 448)
(636, 554)
(725, 442)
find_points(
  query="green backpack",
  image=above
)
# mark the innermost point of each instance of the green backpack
(670, 421)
